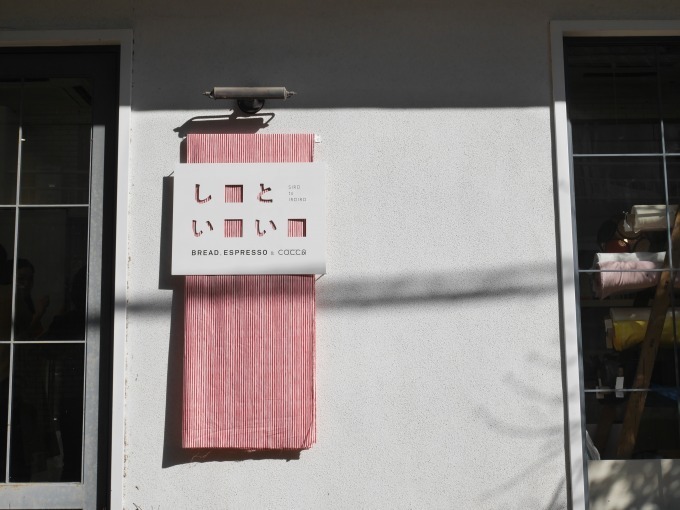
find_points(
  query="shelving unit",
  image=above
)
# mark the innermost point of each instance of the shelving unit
(649, 349)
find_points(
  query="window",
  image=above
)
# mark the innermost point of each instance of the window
(623, 113)
(623, 105)
(58, 114)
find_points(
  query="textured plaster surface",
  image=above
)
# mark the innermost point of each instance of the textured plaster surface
(438, 356)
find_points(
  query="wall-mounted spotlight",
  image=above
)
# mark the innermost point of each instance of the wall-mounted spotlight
(250, 100)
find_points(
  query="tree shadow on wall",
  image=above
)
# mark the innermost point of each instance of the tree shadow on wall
(614, 484)
(622, 485)
(548, 438)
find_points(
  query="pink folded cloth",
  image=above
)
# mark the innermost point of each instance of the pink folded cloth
(617, 281)
(607, 284)
(250, 339)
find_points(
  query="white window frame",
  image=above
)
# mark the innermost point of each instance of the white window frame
(576, 463)
(124, 39)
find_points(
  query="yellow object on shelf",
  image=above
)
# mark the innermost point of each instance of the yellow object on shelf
(630, 324)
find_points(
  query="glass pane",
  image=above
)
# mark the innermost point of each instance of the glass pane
(612, 99)
(47, 413)
(51, 270)
(669, 66)
(6, 254)
(55, 161)
(658, 434)
(611, 340)
(673, 169)
(10, 97)
(604, 189)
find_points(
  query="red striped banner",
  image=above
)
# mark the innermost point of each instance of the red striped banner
(249, 340)
(270, 148)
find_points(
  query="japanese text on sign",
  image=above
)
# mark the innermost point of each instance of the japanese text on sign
(249, 218)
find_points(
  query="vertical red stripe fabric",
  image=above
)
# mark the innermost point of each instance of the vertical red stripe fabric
(233, 228)
(233, 194)
(297, 228)
(249, 340)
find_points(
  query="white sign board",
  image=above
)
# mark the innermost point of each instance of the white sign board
(249, 218)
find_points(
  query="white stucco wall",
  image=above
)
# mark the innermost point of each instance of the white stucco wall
(439, 380)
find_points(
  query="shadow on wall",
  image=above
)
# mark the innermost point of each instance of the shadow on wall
(443, 287)
(548, 439)
(373, 54)
(652, 484)
(234, 123)
(649, 484)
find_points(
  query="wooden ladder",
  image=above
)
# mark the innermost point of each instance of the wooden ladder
(649, 349)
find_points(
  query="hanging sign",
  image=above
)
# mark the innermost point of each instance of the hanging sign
(249, 218)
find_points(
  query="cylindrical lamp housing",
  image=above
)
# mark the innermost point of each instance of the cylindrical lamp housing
(249, 93)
